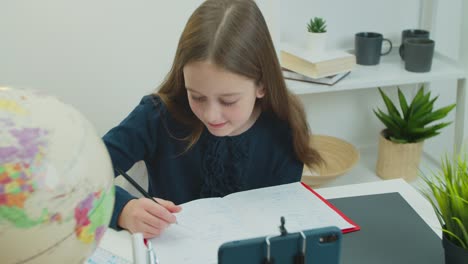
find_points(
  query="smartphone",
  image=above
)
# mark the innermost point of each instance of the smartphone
(322, 245)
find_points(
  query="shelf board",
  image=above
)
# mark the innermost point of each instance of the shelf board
(390, 72)
(365, 171)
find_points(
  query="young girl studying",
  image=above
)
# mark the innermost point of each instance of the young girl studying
(222, 121)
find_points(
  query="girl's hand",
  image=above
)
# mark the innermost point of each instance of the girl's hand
(147, 217)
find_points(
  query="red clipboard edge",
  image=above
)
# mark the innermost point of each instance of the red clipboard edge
(351, 222)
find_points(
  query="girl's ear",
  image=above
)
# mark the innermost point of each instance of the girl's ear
(260, 90)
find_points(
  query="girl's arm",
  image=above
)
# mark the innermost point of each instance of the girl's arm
(288, 170)
(129, 142)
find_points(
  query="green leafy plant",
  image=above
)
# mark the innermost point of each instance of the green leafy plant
(448, 194)
(317, 25)
(411, 125)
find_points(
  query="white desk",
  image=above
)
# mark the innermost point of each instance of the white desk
(119, 242)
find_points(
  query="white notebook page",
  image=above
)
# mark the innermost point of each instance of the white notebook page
(205, 224)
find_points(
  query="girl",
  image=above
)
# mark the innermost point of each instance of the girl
(222, 121)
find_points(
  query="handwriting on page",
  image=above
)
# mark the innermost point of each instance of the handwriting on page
(203, 225)
(301, 209)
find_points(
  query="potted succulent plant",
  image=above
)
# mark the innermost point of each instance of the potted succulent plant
(316, 35)
(400, 143)
(448, 194)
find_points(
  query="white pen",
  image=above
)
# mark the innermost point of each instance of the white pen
(153, 259)
(140, 255)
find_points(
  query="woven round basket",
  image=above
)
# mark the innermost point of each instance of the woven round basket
(339, 155)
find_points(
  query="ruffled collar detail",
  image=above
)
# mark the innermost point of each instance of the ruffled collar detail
(223, 164)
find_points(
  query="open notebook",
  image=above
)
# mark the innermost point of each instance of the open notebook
(205, 224)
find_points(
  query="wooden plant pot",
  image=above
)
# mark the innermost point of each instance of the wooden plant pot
(398, 160)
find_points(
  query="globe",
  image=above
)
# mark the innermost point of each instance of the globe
(56, 181)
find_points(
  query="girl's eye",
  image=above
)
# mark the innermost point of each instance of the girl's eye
(228, 103)
(198, 99)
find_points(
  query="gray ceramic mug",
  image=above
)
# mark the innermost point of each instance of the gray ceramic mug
(418, 54)
(368, 48)
(411, 33)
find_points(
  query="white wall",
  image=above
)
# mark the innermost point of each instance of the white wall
(448, 41)
(345, 18)
(464, 61)
(103, 56)
(100, 56)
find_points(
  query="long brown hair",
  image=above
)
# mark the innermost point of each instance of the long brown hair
(234, 35)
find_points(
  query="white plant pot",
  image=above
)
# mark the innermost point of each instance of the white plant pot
(316, 42)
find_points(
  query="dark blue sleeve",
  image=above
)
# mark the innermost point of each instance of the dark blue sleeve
(288, 170)
(131, 141)
(122, 197)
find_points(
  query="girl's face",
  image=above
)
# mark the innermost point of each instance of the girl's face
(222, 100)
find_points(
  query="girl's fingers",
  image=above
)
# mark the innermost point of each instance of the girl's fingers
(149, 231)
(159, 211)
(148, 235)
(169, 205)
(145, 216)
(154, 221)
(146, 229)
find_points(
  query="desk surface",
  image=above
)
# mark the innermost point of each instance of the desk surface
(119, 242)
(391, 232)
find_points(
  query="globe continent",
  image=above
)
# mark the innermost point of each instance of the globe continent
(56, 181)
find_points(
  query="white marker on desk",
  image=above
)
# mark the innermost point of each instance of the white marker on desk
(140, 255)
(153, 259)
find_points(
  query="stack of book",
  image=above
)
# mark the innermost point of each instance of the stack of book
(325, 68)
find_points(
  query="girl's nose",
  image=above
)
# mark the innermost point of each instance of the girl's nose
(212, 113)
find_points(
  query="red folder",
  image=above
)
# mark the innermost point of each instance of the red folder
(347, 219)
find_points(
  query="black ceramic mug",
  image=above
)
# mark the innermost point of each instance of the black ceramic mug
(412, 33)
(418, 54)
(368, 48)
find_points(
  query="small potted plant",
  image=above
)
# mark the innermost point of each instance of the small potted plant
(317, 36)
(448, 194)
(400, 143)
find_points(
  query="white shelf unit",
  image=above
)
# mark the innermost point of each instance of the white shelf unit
(364, 171)
(391, 72)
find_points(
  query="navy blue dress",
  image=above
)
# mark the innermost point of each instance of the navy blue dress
(215, 166)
